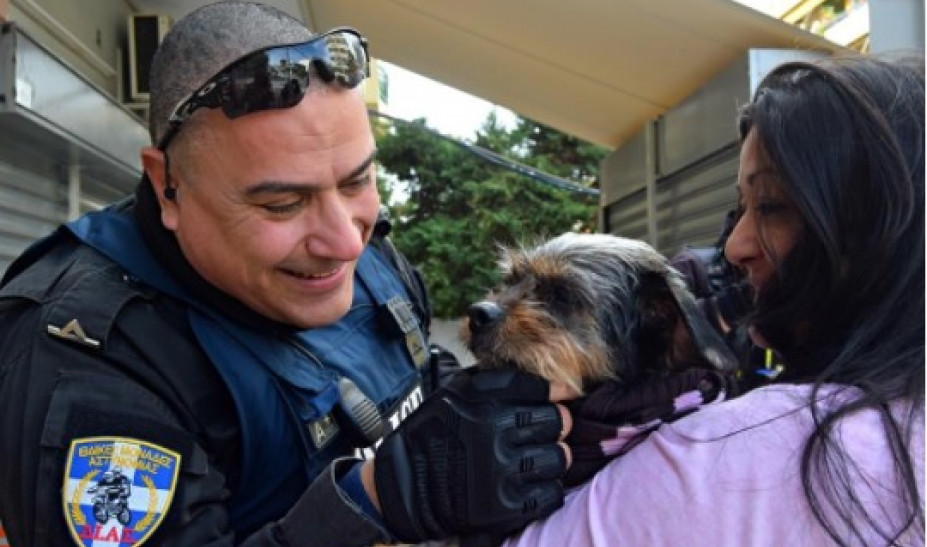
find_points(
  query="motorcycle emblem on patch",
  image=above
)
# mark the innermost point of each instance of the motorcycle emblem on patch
(117, 490)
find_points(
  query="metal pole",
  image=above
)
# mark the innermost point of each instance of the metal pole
(650, 181)
(73, 188)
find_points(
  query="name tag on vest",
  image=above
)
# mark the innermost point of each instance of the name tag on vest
(322, 431)
(406, 320)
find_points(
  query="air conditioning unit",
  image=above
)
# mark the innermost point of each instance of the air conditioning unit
(145, 33)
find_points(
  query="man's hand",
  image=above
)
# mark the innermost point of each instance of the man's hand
(480, 456)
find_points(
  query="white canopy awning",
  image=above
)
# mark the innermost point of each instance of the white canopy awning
(598, 69)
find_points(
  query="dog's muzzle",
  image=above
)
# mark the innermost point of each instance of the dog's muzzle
(483, 315)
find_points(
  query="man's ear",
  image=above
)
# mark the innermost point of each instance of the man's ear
(154, 162)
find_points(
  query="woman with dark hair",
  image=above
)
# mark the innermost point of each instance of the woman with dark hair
(830, 235)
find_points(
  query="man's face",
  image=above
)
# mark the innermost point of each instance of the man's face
(278, 205)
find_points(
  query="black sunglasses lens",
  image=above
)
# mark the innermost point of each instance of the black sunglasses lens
(259, 83)
(277, 77)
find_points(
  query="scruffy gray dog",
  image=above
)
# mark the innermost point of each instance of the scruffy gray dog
(585, 308)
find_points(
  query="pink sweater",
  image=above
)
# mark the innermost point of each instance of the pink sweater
(728, 475)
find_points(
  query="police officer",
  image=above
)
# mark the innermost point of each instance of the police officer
(231, 335)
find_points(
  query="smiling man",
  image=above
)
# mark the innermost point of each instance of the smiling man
(234, 336)
(275, 208)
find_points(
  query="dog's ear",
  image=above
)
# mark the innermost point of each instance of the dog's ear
(657, 320)
(705, 339)
(673, 326)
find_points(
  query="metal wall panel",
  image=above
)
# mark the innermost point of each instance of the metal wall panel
(96, 192)
(703, 123)
(692, 203)
(627, 217)
(624, 171)
(34, 198)
(74, 107)
(31, 206)
(66, 147)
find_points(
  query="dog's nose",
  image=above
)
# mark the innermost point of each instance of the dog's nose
(482, 314)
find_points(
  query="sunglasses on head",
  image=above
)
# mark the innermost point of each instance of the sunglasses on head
(276, 77)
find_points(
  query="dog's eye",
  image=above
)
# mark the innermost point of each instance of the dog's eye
(559, 297)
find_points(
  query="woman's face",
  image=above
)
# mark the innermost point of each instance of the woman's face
(769, 223)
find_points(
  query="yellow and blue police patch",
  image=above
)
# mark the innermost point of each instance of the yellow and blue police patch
(117, 490)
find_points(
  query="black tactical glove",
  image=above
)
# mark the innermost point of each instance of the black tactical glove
(479, 457)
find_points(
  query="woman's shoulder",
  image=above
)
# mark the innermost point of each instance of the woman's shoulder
(770, 406)
(781, 407)
(719, 467)
(733, 468)
(774, 423)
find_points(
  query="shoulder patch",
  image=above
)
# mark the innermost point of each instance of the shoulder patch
(116, 490)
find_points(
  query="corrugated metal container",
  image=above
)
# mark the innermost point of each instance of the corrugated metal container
(66, 147)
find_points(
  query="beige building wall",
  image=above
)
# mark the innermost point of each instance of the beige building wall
(373, 87)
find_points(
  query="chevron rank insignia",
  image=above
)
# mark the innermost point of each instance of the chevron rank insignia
(117, 490)
(73, 332)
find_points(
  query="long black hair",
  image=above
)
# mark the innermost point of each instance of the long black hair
(846, 305)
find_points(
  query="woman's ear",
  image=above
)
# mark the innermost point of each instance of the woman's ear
(155, 163)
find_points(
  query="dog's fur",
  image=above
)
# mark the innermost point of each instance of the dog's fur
(584, 308)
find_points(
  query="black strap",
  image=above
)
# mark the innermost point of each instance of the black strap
(409, 275)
